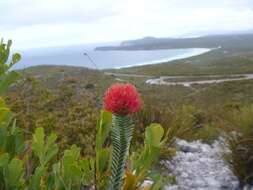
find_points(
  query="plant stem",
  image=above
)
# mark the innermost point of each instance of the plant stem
(121, 138)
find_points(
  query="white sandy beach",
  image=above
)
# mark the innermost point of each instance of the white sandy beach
(192, 53)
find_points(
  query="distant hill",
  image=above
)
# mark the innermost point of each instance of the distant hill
(152, 43)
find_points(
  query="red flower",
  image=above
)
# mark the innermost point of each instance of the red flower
(122, 99)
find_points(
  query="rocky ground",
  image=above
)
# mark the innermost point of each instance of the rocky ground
(199, 166)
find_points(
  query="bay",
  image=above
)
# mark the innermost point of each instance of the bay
(86, 56)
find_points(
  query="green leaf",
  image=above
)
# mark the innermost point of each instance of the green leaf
(19, 138)
(36, 178)
(45, 151)
(87, 166)
(154, 134)
(4, 52)
(51, 147)
(103, 128)
(38, 143)
(9, 43)
(150, 154)
(7, 80)
(5, 120)
(73, 153)
(158, 183)
(104, 159)
(4, 160)
(72, 173)
(2, 103)
(15, 58)
(13, 174)
(4, 111)
(57, 178)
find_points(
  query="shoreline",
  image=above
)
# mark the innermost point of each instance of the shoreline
(194, 52)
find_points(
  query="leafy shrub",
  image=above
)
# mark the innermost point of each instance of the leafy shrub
(7, 76)
(140, 162)
(26, 164)
(37, 163)
(186, 122)
(34, 164)
(240, 141)
(208, 133)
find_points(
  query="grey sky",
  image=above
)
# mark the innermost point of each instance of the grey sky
(36, 23)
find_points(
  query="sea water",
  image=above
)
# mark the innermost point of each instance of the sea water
(86, 56)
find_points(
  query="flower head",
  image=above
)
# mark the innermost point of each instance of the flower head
(122, 99)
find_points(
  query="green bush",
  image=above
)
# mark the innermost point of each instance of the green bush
(240, 142)
(32, 161)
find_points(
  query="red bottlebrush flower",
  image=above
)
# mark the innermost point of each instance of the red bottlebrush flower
(122, 99)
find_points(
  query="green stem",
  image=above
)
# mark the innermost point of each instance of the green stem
(121, 138)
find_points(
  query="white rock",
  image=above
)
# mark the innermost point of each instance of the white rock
(147, 183)
(212, 182)
(172, 187)
(200, 166)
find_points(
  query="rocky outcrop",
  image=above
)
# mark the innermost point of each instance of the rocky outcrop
(199, 166)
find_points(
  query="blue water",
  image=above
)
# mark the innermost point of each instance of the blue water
(74, 56)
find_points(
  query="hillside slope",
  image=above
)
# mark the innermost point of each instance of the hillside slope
(150, 43)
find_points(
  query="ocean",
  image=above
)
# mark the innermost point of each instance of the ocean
(86, 56)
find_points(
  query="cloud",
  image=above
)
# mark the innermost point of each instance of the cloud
(15, 13)
(35, 23)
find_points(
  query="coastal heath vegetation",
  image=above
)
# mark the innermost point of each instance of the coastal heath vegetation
(35, 161)
(240, 143)
(59, 101)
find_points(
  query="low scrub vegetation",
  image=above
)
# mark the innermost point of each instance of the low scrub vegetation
(33, 160)
(240, 143)
(51, 137)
